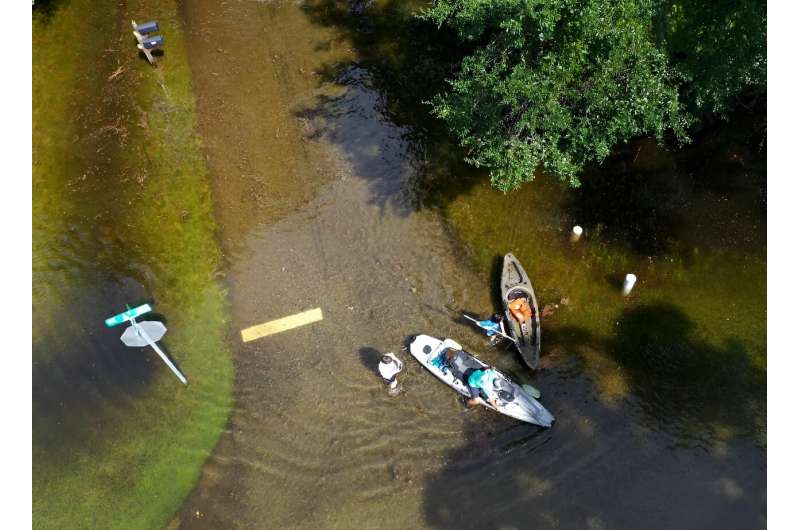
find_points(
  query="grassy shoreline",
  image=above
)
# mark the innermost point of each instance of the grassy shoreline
(117, 165)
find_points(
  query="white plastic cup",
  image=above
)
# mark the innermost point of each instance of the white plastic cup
(627, 286)
(577, 232)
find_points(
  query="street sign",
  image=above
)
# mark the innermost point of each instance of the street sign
(155, 330)
(145, 333)
(128, 315)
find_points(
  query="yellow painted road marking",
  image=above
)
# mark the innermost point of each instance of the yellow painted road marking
(281, 324)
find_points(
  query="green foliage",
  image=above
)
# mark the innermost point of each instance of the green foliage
(718, 48)
(555, 84)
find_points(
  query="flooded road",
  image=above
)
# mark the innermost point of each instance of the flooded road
(314, 439)
(316, 185)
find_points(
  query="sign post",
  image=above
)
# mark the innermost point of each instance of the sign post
(146, 333)
(128, 315)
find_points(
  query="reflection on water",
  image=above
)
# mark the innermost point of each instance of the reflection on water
(376, 148)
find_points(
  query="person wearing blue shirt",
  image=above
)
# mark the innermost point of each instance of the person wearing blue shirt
(491, 326)
(479, 382)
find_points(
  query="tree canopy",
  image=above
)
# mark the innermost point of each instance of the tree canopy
(557, 83)
(719, 49)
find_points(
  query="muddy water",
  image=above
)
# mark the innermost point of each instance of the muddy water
(316, 194)
(248, 77)
(309, 398)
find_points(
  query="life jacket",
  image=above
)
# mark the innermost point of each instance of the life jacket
(520, 309)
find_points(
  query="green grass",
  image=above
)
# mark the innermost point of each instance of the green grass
(146, 206)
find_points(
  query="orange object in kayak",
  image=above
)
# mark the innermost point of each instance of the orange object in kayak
(520, 309)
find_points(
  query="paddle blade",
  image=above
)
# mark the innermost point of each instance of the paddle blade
(531, 391)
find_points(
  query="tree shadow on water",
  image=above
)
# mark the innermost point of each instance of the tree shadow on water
(653, 199)
(593, 469)
(644, 210)
(624, 463)
(74, 391)
(683, 385)
(46, 9)
(684, 381)
(382, 122)
(373, 147)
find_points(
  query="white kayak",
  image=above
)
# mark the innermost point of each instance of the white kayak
(511, 399)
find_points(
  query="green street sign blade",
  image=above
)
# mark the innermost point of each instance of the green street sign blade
(127, 315)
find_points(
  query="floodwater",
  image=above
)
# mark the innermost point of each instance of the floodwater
(319, 169)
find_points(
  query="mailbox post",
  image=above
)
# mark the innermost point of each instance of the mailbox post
(147, 39)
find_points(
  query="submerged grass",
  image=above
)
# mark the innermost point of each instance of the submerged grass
(121, 205)
(691, 338)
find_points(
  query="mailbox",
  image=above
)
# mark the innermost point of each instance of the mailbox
(147, 27)
(151, 42)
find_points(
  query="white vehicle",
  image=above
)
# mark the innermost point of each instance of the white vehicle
(512, 400)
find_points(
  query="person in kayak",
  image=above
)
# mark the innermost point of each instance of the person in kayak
(480, 383)
(520, 308)
(493, 326)
(389, 367)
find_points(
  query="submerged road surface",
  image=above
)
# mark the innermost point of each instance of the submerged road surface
(315, 191)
